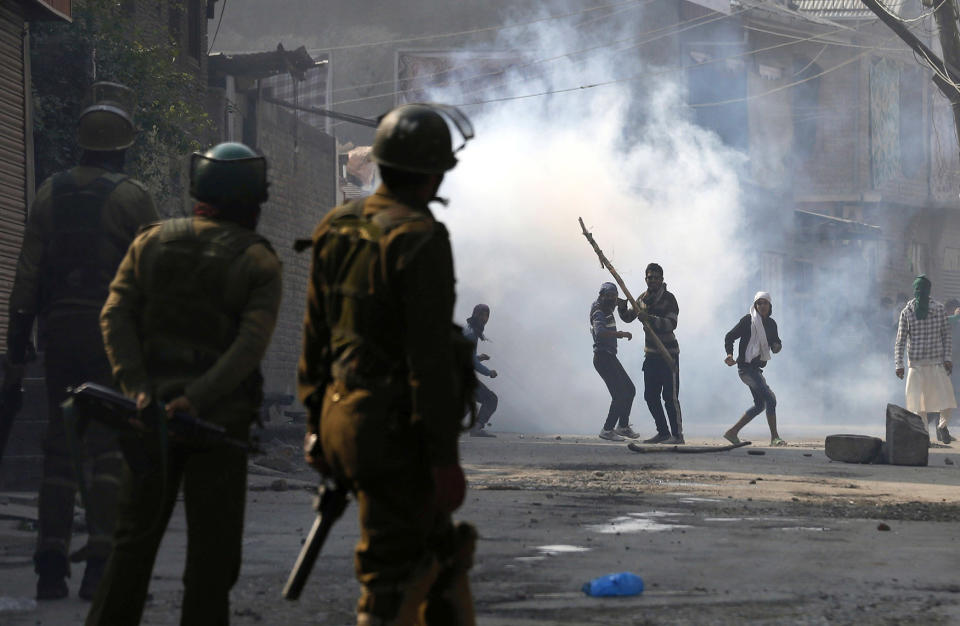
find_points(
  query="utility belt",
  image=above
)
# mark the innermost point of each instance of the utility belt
(351, 380)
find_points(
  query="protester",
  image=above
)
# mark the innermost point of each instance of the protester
(603, 328)
(482, 395)
(926, 335)
(759, 340)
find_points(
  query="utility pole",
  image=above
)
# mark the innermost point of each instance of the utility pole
(947, 70)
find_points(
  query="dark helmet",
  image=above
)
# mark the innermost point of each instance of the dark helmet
(107, 124)
(415, 138)
(227, 174)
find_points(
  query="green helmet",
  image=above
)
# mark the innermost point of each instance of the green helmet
(107, 124)
(227, 174)
(415, 138)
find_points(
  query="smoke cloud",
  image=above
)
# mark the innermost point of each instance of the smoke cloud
(652, 186)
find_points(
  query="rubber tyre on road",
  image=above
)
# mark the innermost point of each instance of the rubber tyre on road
(852, 448)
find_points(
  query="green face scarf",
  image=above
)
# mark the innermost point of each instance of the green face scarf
(921, 289)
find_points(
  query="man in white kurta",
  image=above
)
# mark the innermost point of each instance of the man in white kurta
(925, 333)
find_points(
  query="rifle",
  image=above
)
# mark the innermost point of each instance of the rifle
(112, 408)
(115, 410)
(11, 401)
(329, 503)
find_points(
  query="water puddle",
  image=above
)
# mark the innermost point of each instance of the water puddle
(684, 483)
(560, 549)
(818, 529)
(637, 522)
(13, 604)
(551, 550)
(750, 519)
(694, 500)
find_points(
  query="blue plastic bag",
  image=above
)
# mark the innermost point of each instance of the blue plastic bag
(622, 584)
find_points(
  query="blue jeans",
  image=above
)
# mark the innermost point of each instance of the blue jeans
(763, 396)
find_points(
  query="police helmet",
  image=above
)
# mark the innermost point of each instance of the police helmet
(107, 124)
(415, 138)
(229, 173)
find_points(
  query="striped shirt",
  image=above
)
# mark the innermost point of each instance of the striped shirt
(927, 341)
(663, 310)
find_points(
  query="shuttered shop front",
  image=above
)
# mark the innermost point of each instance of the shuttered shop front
(12, 151)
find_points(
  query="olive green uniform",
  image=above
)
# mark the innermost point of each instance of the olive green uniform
(190, 312)
(78, 229)
(378, 355)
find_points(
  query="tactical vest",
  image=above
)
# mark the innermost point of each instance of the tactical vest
(364, 315)
(186, 322)
(81, 255)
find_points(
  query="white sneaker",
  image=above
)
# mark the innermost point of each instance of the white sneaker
(610, 435)
(626, 431)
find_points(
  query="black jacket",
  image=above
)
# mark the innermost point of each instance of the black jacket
(743, 331)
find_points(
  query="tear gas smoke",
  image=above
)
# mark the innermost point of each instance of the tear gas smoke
(652, 186)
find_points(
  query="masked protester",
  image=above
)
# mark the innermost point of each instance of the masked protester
(189, 316)
(659, 379)
(925, 333)
(483, 396)
(78, 230)
(759, 340)
(381, 376)
(603, 328)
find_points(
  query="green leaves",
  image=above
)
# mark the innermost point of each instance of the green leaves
(104, 43)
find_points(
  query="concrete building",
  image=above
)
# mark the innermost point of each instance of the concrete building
(251, 96)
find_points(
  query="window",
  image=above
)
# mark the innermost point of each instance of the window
(174, 16)
(806, 106)
(912, 150)
(951, 259)
(195, 20)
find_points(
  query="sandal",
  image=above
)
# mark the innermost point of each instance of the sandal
(778, 442)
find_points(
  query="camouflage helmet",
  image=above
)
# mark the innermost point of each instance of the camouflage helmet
(229, 174)
(107, 124)
(415, 138)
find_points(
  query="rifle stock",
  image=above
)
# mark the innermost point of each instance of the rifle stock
(11, 401)
(330, 503)
(115, 410)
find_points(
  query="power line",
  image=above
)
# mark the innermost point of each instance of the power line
(477, 30)
(782, 87)
(670, 30)
(619, 9)
(223, 10)
(647, 74)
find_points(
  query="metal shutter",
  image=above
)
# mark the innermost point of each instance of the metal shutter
(13, 174)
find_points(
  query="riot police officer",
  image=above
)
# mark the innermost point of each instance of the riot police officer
(188, 320)
(78, 230)
(382, 380)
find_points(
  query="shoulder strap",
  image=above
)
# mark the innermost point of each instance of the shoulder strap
(353, 208)
(176, 228)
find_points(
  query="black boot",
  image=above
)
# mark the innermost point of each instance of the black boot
(53, 570)
(91, 577)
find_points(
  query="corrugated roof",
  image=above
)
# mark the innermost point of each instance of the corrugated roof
(263, 64)
(843, 9)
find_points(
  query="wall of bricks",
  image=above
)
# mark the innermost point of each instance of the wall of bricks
(302, 170)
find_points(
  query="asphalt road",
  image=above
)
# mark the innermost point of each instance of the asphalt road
(787, 537)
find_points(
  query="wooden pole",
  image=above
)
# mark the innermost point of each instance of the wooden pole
(605, 262)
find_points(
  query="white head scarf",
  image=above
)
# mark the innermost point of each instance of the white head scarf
(758, 346)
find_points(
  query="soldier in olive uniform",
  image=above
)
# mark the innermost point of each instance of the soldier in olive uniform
(382, 380)
(78, 230)
(189, 316)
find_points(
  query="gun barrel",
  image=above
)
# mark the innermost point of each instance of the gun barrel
(330, 506)
(305, 560)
